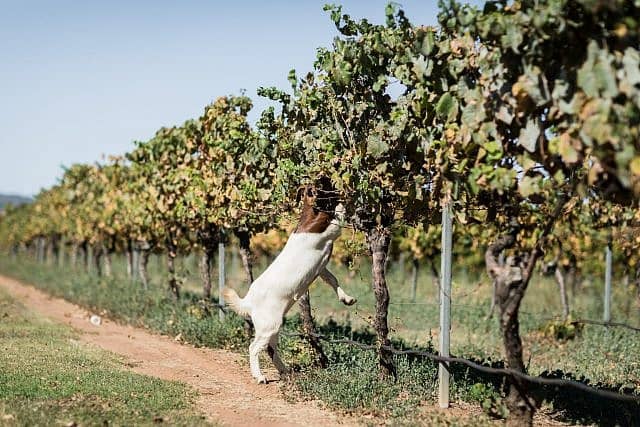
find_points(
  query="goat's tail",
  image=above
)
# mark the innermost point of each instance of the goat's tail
(236, 303)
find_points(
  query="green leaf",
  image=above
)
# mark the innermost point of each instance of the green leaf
(512, 38)
(492, 147)
(605, 74)
(422, 66)
(529, 185)
(473, 114)
(428, 42)
(559, 177)
(504, 115)
(376, 147)
(586, 77)
(631, 62)
(292, 78)
(380, 84)
(447, 107)
(596, 76)
(566, 150)
(389, 12)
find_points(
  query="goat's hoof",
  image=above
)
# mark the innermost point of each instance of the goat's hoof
(285, 376)
(261, 380)
(285, 373)
(349, 301)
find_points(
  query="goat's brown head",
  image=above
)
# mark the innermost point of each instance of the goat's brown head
(318, 208)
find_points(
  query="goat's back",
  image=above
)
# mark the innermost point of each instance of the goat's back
(295, 267)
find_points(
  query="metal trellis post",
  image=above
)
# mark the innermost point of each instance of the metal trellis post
(445, 305)
(220, 279)
(607, 285)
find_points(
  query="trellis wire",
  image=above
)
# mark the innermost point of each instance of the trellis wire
(538, 316)
(444, 360)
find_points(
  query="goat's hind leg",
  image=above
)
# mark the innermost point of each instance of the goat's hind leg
(259, 343)
(275, 356)
(267, 326)
(331, 280)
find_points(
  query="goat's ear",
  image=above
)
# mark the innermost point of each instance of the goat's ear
(306, 193)
(311, 192)
(300, 193)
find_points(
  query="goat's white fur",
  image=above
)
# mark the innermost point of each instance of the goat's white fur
(271, 295)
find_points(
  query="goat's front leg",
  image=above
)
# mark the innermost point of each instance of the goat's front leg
(331, 280)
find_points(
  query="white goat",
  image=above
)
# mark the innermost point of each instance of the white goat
(289, 276)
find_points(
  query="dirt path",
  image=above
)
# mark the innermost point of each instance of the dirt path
(226, 393)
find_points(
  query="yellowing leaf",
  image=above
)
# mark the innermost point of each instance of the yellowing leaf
(566, 150)
(529, 136)
(634, 165)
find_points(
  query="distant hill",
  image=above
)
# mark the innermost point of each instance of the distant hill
(10, 199)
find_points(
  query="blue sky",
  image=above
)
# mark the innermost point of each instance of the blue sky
(79, 80)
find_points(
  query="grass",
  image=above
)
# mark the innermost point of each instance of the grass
(605, 357)
(48, 378)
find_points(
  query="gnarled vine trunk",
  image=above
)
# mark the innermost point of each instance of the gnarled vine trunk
(97, 258)
(415, 268)
(209, 241)
(51, 250)
(378, 240)
(245, 253)
(511, 282)
(42, 243)
(87, 255)
(435, 277)
(174, 287)
(563, 292)
(144, 250)
(129, 258)
(75, 248)
(494, 289)
(107, 251)
(205, 271)
(309, 328)
(62, 244)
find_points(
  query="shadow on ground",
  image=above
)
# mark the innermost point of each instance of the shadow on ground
(567, 404)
